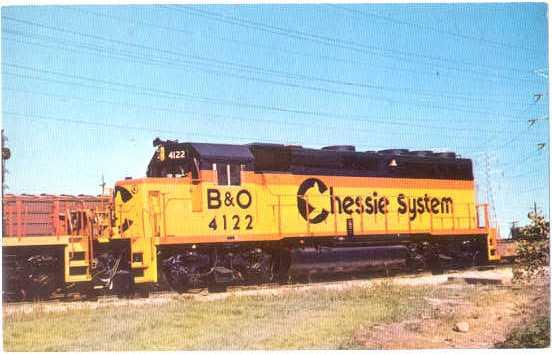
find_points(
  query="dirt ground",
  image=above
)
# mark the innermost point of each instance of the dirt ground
(488, 322)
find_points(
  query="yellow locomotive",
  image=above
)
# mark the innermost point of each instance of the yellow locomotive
(216, 213)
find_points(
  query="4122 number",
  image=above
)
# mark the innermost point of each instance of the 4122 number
(232, 223)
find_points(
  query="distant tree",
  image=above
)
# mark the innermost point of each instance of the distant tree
(533, 249)
(538, 228)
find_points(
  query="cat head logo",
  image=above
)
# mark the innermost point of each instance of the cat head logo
(310, 213)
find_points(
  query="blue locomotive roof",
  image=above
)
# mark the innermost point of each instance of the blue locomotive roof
(331, 160)
(223, 152)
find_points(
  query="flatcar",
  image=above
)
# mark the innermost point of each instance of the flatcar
(213, 214)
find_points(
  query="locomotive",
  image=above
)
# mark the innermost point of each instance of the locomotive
(214, 214)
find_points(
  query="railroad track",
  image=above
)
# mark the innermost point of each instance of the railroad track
(321, 281)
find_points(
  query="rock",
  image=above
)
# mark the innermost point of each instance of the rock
(462, 327)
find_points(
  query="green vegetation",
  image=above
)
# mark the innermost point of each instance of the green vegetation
(312, 319)
(535, 334)
(533, 250)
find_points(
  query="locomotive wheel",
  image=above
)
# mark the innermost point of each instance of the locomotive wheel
(187, 270)
(173, 283)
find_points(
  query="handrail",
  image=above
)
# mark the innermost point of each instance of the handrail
(425, 221)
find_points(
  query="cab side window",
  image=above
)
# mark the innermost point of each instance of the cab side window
(222, 174)
(235, 174)
(228, 174)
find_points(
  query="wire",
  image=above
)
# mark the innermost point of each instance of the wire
(238, 118)
(529, 157)
(149, 129)
(172, 63)
(517, 115)
(249, 68)
(364, 13)
(226, 40)
(169, 94)
(127, 127)
(540, 188)
(334, 42)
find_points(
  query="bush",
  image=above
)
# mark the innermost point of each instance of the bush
(535, 335)
(533, 250)
(532, 260)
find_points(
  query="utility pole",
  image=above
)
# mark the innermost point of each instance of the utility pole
(489, 189)
(6, 154)
(514, 232)
(103, 185)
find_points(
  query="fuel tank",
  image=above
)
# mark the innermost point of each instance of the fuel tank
(310, 260)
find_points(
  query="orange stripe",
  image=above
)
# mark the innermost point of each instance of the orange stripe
(154, 180)
(361, 182)
(334, 181)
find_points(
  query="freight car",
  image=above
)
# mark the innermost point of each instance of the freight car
(218, 213)
(38, 240)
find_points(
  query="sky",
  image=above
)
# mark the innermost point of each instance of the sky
(86, 89)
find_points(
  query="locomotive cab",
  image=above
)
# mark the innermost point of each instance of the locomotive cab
(183, 196)
(200, 161)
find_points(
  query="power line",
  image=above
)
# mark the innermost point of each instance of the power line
(530, 173)
(249, 68)
(168, 94)
(150, 129)
(130, 127)
(171, 94)
(538, 98)
(372, 132)
(364, 13)
(529, 157)
(174, 64)
(225, 40)
(334, 42)
(540, 188)
(232, 117)
(446, 127)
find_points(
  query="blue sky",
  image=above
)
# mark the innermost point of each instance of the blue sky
(86, 89)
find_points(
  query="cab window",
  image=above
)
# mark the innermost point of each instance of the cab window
(235, 175)
(228, 174)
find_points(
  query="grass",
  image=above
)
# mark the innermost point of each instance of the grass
(323, 319)
(313, 319)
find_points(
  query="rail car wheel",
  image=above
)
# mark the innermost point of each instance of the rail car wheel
(38, 278)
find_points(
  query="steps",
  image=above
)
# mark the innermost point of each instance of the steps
(77, 265)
